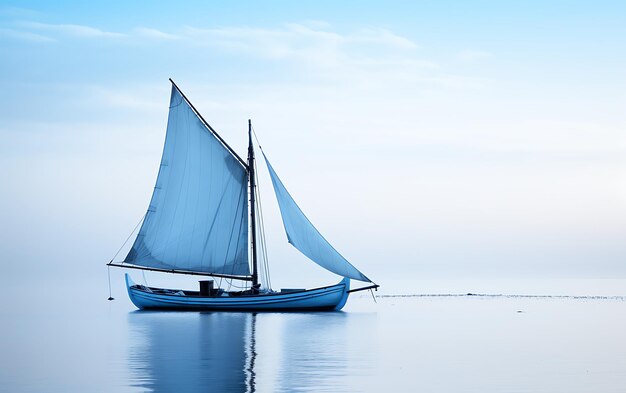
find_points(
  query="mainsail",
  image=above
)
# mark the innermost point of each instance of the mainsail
(198, 215)
(306, 238)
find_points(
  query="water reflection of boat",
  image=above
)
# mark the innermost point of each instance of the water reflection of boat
(193, 352)
(314, 353)
(249, 352)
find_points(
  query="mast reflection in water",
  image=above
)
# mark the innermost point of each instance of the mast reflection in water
(192, 352)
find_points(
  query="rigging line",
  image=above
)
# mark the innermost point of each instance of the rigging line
(230, 239)
(263, 237)
(261, 226)
(261, 220)
(265, 257)
(266, 267)
(257, 139)
(265, 254)
(264, 243)
(233, 267)
(243, 215)
(109, 274)
(230, 284)
(260, 234)
(129, 236)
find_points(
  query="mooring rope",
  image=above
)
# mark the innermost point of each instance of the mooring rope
(109, 274)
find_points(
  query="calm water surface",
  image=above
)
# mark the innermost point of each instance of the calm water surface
(399, 344)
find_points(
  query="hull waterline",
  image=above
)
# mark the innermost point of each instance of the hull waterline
(331, 298)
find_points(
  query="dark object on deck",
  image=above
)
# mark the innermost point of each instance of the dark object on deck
(206, 288)
(471, 294)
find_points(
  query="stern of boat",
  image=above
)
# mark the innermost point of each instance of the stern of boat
(129, 284)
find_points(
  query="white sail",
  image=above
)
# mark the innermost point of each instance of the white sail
(198, 215)
(306, 238)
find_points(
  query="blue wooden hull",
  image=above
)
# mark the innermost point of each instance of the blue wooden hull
(319, 299)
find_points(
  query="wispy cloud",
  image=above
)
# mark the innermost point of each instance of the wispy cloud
(368, 57)
(155, 34)
(364, 56)
(301, 40)
(25, 35)
(294, 39)
(72, 30)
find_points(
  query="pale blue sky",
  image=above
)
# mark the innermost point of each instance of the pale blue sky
(440, 138)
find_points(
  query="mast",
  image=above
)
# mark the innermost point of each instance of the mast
(252, 182)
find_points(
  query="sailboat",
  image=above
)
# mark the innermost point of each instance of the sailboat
(203, 220)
